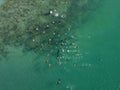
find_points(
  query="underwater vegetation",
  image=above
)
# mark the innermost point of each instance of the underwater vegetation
(41, 26)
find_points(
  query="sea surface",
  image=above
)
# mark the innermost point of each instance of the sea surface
(97, 68)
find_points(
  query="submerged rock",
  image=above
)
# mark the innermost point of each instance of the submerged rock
(39, 25)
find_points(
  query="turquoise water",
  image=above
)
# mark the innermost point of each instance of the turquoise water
(97, 68)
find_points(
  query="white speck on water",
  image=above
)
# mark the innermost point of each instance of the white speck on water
(51, 12)
(56, 14)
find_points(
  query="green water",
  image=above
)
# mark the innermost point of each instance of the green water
(97, 68)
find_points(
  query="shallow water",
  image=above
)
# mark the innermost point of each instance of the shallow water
(1, 2)
(97, 67)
